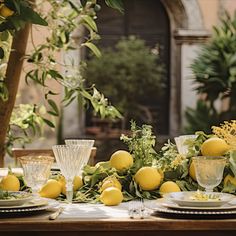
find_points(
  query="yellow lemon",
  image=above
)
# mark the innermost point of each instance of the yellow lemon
(77, 183)
(52, 189)
(192, 171)
(169, 187)
(111, 196)
(148, 178)
(5, 11)
(214, 147)
(10, 183)
(110, 181)
(121, 160)
(230, 179)
(104, 164)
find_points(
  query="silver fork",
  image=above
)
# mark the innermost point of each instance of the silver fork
(136, 209)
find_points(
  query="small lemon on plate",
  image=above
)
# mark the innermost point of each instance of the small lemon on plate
(10, 183)
(214, 147)
(169, 187)
(111, 196)
(121, 160)
(110, 181)
(148, 178)
(52, 189)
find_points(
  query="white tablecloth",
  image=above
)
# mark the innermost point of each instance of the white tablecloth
(82, 210)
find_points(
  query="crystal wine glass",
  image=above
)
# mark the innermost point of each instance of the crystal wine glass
(70, 159)
(180, 143)
(209, 171)
(87, 142)
(36, 169)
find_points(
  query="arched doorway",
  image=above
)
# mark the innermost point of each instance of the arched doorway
(147, 20)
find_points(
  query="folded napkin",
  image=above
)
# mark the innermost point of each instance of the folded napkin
(84, 210)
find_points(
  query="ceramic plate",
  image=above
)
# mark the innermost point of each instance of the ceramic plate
(189, 199)
(178, 213)
(34, 202)
(18, 198)
(172, 205)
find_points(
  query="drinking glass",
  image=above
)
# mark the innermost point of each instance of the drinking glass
(87, 142)
(36, 169)
(70, 159)
(209, 171)
(180, 143)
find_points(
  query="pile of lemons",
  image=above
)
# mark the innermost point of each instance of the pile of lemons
(148, 178)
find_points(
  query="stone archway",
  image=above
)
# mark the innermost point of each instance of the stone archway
(187, 34)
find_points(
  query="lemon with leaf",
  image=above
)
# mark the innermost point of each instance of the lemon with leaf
(52, 189)
(110, 181)
(111, 196)
(10, 183)
(214, 147)
(169, 187)
(121, 160)
(148, 178)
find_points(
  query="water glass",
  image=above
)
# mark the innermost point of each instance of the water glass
(209, 171)
(70, 159)
(36, 169)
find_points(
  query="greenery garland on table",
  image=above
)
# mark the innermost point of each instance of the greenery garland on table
(172, 167)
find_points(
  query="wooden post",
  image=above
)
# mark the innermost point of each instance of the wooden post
(12, 80)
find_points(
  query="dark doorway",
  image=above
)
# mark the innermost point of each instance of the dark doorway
(149, 21)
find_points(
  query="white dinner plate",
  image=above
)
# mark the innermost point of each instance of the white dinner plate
(187, 199)
(34, 202)
(38, 204)
(200, 213)
(227, 206)
(21, 198)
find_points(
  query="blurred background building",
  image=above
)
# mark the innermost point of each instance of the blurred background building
(176, 29)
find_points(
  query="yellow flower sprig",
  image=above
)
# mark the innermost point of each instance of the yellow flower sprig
(227, 131)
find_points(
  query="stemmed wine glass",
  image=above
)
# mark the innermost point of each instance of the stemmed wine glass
(87, 142)
(209, 171)
(36, 169)
(70, 159)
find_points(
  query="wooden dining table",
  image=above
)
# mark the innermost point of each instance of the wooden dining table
(40, 225)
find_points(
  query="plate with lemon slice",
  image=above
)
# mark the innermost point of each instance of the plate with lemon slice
(199, 199)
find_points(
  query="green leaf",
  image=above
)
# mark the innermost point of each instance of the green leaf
(1, 53)
(49, 123)
(93, 48)
(89, 20)
(116, 4)
(53, 106)
(29, 15)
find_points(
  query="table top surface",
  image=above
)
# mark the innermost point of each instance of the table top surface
(95, 223)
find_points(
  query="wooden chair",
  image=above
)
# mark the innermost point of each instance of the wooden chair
(19, 152)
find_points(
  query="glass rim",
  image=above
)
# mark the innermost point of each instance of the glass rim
(209, 157)
(37, 158)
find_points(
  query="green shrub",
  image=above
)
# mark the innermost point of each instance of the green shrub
(214, 73)
(127, 75)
